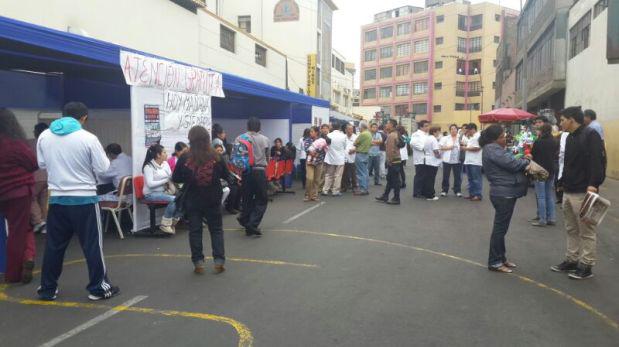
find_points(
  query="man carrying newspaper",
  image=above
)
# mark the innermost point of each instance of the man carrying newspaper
(583, 172)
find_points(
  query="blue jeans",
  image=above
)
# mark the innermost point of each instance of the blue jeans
(473, 172)
(546, 209)
(361, 161)
(374, 165)
(170, 210)
(503, 211)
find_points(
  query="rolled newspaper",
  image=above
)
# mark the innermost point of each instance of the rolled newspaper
(593, 209)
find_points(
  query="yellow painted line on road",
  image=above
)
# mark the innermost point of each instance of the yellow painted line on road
(578, 302)
(245, 336)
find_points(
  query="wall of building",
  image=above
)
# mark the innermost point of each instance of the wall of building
(342, 84)
(296, 39)
(184, 36)
(592, 82)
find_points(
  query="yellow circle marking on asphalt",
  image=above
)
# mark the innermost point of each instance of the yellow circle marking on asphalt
(578, 302)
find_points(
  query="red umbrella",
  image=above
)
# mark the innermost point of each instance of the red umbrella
(505, 115)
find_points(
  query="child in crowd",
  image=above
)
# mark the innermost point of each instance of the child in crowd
(318, 145)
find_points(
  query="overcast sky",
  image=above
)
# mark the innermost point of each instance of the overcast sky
(352, 14)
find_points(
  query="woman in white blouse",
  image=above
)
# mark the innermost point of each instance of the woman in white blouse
(157, 176)
(433, 160)
(450, 149)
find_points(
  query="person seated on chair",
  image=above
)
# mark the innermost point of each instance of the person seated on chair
(120, 166)
(159, 187)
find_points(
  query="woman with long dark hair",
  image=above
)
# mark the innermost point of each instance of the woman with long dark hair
(507, 183)
(302, 155)
(219, 137)
(179, 149)
(16, 191)
(157, 184)
(545, 152)
(201, 171)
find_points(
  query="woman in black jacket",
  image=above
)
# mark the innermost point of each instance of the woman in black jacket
(507, 184)
(200, 171)
(545, 152)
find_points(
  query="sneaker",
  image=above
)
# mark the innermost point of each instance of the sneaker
(112, 292)
(551, 223)
(432, 199)
(38, 228)
(459, 195)
(198, 267)
(393, 202)
(336, 194)
(534, 219)
(219, 268)
(324, 194)
(538, 224)
(583, 272)
(443, 194)
(565, 266)
(381, 198)
(47, 298)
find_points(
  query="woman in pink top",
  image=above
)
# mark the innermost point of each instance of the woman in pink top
(179, 149)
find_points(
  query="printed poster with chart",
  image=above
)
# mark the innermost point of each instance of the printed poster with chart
(152, 126)
(181, 112)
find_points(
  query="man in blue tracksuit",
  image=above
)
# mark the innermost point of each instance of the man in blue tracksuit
(73, 158)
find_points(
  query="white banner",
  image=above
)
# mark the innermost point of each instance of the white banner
(182, 111)
(145, 71)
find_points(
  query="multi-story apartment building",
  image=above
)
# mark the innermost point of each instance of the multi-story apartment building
(591, 75)
(300, 29)
(505, 91)
(436, 63)
(342, 84)
(541, 55)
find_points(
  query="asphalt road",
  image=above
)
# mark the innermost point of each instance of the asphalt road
(350, 272)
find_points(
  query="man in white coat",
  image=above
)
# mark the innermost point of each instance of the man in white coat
(418, 140)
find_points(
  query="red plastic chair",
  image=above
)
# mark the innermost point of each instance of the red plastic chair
(138, 190)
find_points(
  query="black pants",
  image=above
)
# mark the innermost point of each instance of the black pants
(62, 222)
(234, 198)
(393, 182)
(429, 179)
(402, 173)
(255, 198)
(302, 171)
(457, 170)
(215, 228)
(349, 177)
(504, 209)
(420, 173)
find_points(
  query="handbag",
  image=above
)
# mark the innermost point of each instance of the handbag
(537, 172)
(170, 188)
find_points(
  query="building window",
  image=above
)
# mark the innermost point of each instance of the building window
(385, 92)
(401, 110)
(497, 17)
(493, 84)
(245, 23)
(438, 65)
(579, 35)
(439, 40)
(338, 64)
(386, 72)
(519, 77)
(369, 93)
(459, 107)
(402, 90)
(420, 67)
(420, 108)
(494, 63)
(437, 108)
(438, 85)
(477, 22)
(369, 75)
(420, 88)
(421, 24)
(440, 18)
(461, 45)
(370, 36)
(462, 22)
(460, 88)
(386, 32)
(497, 39)
(261, 55)
(599, 7)
(475, 44)
(386, 52)
(370, 55)
(461, 67)
(474, 106)
(475, 67)
(404, 28)
(404, 50)
(475, 88)
(421, 46)
(402, 70)
(226, 38)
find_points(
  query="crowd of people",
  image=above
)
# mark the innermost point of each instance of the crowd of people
(70, 165)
